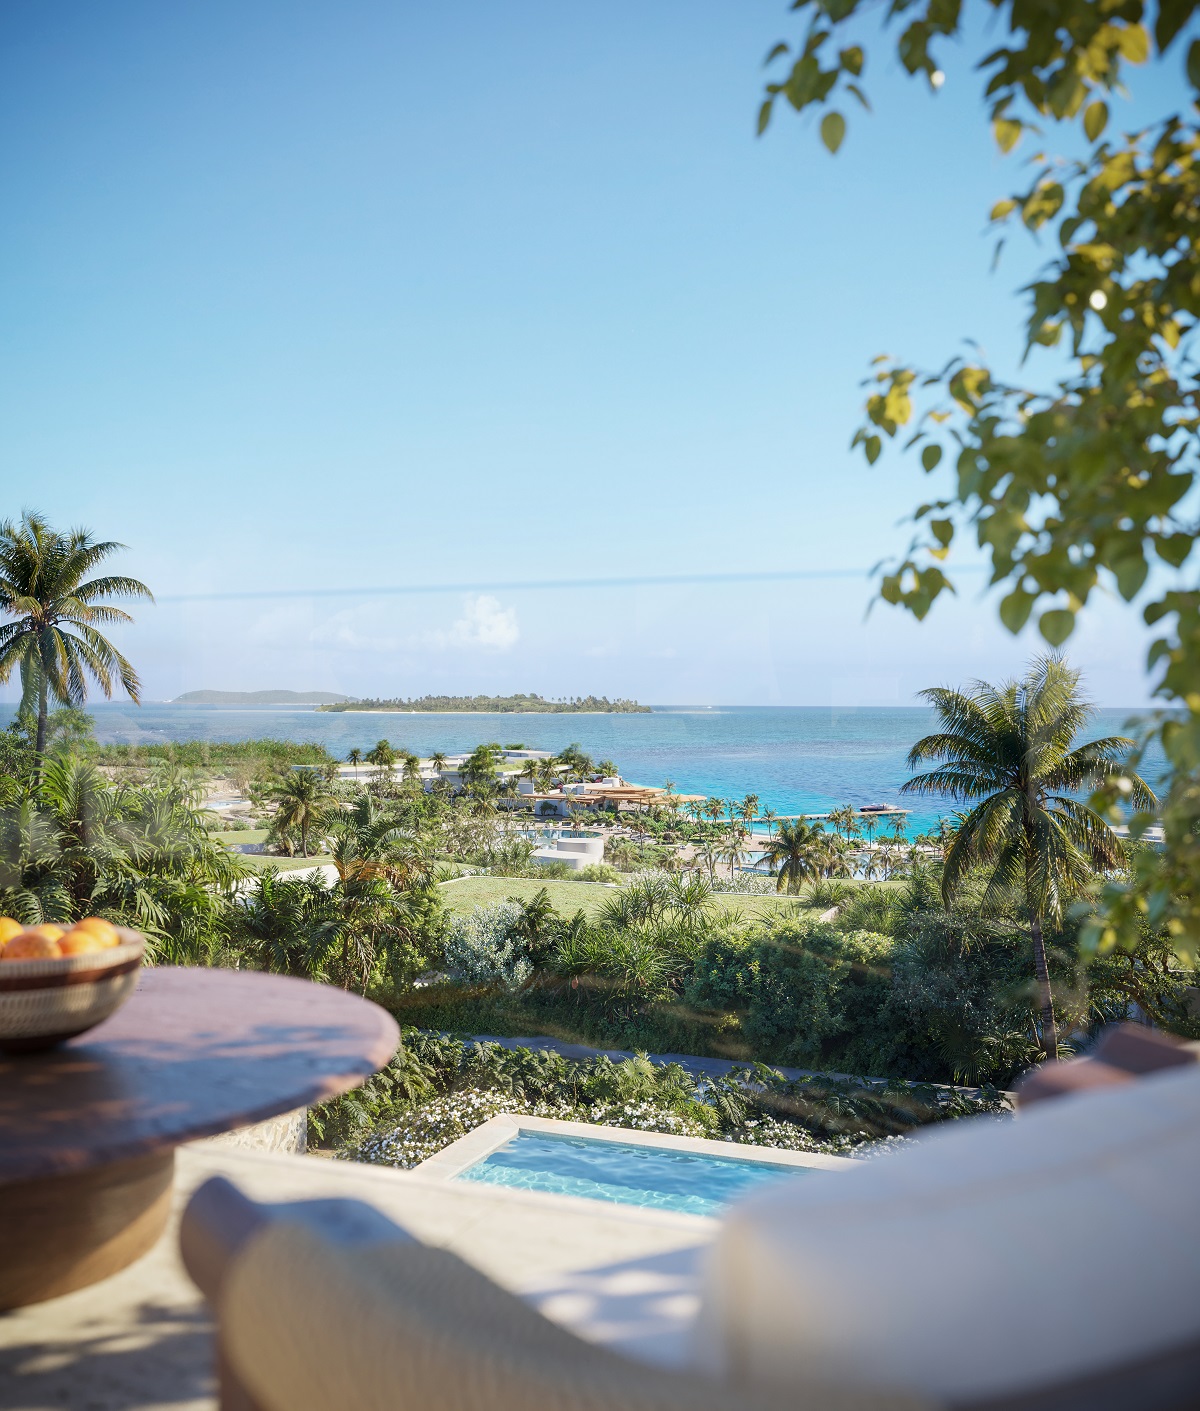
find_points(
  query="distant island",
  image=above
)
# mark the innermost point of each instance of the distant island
(498, 705)
(321, 698)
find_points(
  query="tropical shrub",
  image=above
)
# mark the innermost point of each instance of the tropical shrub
(805, 988)
(486, 947)
(597, 872)
(361, 933)
(437, 1089)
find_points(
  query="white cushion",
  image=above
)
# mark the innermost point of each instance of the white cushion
(993, 1255)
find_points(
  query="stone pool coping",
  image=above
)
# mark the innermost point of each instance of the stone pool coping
(480, 1143)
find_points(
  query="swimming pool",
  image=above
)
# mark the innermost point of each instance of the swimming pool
(659, 1177)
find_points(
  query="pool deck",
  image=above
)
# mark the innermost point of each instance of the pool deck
(142, 1340)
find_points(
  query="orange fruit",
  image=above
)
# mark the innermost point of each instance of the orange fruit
(32, 945)
(47, 929)
(9, 928)
(104, 931)
(80, 941)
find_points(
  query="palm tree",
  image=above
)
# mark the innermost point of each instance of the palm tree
(769, 816)
(794, 855)
(709, 853)
(1009, 751)
(43, 586)
(438, 760)
(367, 842)
(354, 757)
(714, 808)
(382, 756)
(302, 799)
(829, 855)
(731, 850)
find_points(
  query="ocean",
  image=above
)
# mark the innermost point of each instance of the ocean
(796, 759)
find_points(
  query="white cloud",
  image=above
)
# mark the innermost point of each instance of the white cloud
(484, 623)
(359, 629)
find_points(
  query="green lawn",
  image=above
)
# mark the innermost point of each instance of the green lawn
(465, 894)
(259, 862)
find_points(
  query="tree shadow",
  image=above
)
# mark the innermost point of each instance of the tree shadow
(162, 1356)
(643, 1307)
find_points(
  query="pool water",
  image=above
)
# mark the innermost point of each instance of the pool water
(659, 1177)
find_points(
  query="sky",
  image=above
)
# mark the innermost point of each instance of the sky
(313, 303)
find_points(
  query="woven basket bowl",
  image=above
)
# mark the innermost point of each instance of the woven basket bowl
(44, 1002)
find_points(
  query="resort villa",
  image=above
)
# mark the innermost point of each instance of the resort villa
(608, 793)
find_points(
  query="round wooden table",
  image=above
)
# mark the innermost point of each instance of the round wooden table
(88, 1131)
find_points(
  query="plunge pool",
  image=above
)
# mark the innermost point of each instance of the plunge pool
(661, 1178)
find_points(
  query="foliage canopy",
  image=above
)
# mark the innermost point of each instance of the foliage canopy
(1084, 480)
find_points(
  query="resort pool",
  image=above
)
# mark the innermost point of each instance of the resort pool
(655, 1176)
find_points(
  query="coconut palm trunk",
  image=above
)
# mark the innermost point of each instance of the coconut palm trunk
(43, 716)
(1045, 997)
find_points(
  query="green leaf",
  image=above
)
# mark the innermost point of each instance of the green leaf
(1135, 43)
(1095, 120)
(775, 53)
(852, 60)
(1131, 574)
(764, 115)
(1008, 132)
(1057, 625)
(943, 531)
(1193, 63)
(1015, 609)
(1173, 548)
(930, 456)
(833, 129)
(1172, 16)
(1002, 209)
(872, 446)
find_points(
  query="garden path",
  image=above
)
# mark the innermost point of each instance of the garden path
(697, 1066)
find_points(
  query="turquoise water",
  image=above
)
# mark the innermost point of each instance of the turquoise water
(658, 1177)
(796, 759)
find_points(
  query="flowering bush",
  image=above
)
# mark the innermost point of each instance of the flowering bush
(438, 1089)
(425, 1129)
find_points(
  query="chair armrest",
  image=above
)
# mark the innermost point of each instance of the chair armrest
(220, 1222)
(1124, 1053)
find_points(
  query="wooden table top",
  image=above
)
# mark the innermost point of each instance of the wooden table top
(192, 1053)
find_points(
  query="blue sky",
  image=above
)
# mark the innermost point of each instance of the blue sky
(301, 296)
